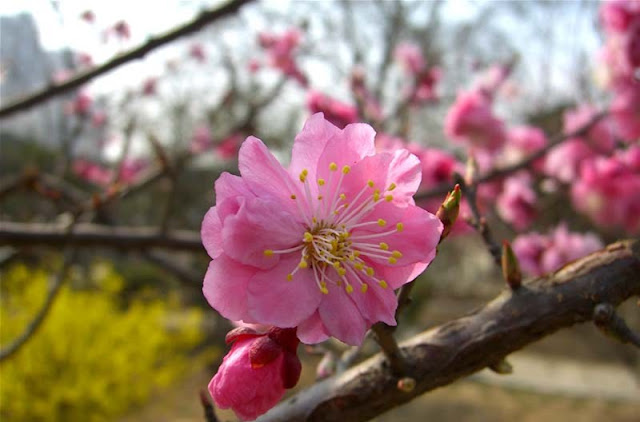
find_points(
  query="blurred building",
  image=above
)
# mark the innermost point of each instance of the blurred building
(26, 67)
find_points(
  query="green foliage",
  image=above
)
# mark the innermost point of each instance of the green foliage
(91, 360)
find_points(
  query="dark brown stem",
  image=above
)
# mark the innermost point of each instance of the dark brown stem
(389, 345)
(461, 347)
(198, 23)
(94, 235)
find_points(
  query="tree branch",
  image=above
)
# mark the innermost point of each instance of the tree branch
(51, 91)
(461, 347)
(124, 238)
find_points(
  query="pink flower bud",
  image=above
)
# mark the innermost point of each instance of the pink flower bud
(255, 373)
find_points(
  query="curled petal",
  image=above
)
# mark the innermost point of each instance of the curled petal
(227, 298)
(342, 318)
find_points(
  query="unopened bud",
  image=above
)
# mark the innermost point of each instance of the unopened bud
(510, 267)
(448, 211)
(471, 171)
(501, 367)
(406, 384)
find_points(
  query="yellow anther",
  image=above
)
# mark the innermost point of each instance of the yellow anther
(352, 257)
(349, 289)
(343, 196)
(370, 271)
(314, 220)
(358, 266)
(302, 177)
(323, 288)
(399, 227)
(293, 196)
(370, 183)
(376, 195)
(319, 197)
(341, 271)
(268, 252)
(391, 187)
(392, 260)
(383, 284)
(396, 254)
(364, 288)
(308, 237)
(336, 265)
(384, 246)
(381, 222)
(305, 172)
(321, 182)
(346, 169)
(289, 277)
(303, 264)
(388, 198)
(333, 167)
(356, 253)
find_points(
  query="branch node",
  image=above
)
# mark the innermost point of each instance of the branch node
(406, 384)
(501, 367)
(612, 325)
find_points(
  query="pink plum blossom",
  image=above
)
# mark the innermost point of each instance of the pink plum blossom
(617, 15)
(599, 137)
(149, 86)
(516, 203)
(229, 146)
(92, 172)
(625, 111)
(425, 88)
(470, 120)
(88, 16)
(540, 254)
(98, 119)
(281, 50)
(122, 30)
(201, 139)
(608, 190)
(321, 245)
(410, 57)
(563, 161)
(81, 104)
(255, 373)
(338, 113)
(493, 78)
(84, 59)
(522, 141)
(131, 169)
(196, 51)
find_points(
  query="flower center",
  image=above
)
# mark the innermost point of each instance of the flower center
(334, 248)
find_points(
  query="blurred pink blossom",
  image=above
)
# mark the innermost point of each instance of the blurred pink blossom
(516, 203)
(522, 141)
(201, 139)
(92, 172)
(228, 148)
(540, 254)
(337, 112)
(600, 136)
(88, 16)
(149, 86)
(608, 190)
(410, 57)
(470, 121)
(196, 51)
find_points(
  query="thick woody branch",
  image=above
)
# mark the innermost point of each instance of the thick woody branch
(94, 235)
(461, 347)
(200, 22)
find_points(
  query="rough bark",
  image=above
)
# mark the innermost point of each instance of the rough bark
(461, 347)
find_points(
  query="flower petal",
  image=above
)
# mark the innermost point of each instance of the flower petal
(310, 143)
(312, 330)
(347, 148)
(229, 186)
(262, 172)
(376, 304)
(211, 233)
(275, 300)
(225, 287)
(259, 225)
(342, 318)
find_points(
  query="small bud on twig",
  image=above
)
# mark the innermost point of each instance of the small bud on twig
(501, 367)
(406, 384)
(471, 171)
(510, 267)
(448, 211)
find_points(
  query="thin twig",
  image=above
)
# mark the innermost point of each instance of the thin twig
(203, 19)
(384, 337)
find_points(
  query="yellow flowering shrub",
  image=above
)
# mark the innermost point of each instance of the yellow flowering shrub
(92, 358)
